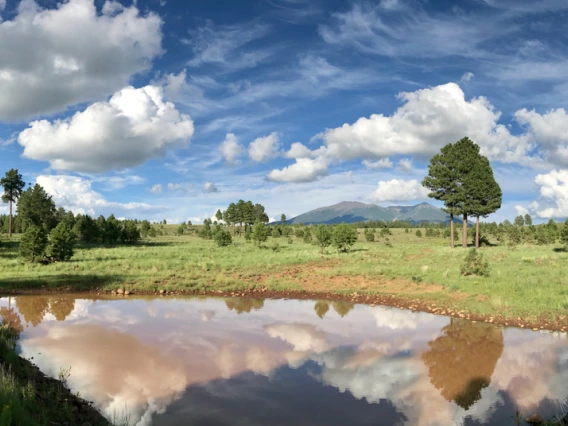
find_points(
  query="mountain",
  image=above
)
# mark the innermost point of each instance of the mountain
(354, 211)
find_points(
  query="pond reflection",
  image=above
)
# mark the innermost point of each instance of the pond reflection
(217, 361)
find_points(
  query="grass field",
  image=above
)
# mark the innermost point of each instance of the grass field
(528, 281)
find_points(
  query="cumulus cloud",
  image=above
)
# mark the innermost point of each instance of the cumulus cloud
(429, 119)
(298, 150)
(132, 127)
(554, 189)
(230, 149)
(44, 70)
(303, 337)
(303, 170)
(397, 319)
(521, 210)
(210, 187)
(383, 163)
(264, 148)
(399, 190)
(183, 187)
(2, 6)
(156, 189)
(75, 194)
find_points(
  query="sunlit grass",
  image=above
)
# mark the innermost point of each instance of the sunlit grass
(529, 280)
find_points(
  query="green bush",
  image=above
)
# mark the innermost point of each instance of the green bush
(344, 236)
(61, 242)
(299, 233)
(474, 264)
(33, 243)
(223, 238)
(323, 236)
(370, 235)
(307, 236)
(418, 233)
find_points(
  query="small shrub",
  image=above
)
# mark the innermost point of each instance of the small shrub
(248, 236)
(323, 236)
(387, 242)
(33, 243)
(307, 236)
(416, 279)
(259, 233)
(275, 247)
(290, 241)
(299, 233)
(385, 231)
(474, 264)
(418, 233)
(406, 231)
(370, 235)
(223, 238)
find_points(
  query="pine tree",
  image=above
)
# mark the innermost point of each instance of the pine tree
(33, 243)
(443, 183)
(259, 233)
(61, 242)
(483, 193)
(35, 207)
(564, 234)
(13, 186)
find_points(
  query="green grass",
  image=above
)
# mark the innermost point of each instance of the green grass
(526, 281)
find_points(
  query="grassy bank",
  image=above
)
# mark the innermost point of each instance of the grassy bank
(528, 281)
(29, 398)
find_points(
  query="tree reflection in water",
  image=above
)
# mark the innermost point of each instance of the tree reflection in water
(342, 308)
(321, 307)
(34, 308)
(462, 360)
(244, 305)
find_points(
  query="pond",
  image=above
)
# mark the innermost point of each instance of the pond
(215, 361)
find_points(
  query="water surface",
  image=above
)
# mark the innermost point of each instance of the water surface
(214, 361)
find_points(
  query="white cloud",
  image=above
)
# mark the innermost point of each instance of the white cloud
(183, 187)
(44, 70)
(429, 119)
(75, 194)
(383, 163)
(303, 170)
(554, 189)
(219, 45)
(405, 165)
(399, 190)
(264, 148)
(230, 149)
(521, 210)
(397, 319)
(156, 189)
(298, 150)
(132, 127)
(112, 183)
(210, 187)
(467, 77)
(2, 6)
(303, 337)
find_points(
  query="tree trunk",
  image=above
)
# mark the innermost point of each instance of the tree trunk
(464, 232)
(451, 230)
(477, 232)
(10, 224)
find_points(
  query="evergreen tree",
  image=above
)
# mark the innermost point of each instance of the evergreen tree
(86, 229)
(61, 242)
(283, 218)
(129, 233)
(519, 221)
(259, 233)
(528, 219)
(35, 207)
(223, 238)
(13, 186)
(344, 236)
(323, 236)
(483, 193)
(33, 243)
(443, 181)
(219, 215)
(564, 234)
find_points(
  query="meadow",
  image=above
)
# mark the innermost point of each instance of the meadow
(526, 281)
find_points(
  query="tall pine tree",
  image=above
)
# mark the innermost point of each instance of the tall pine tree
(13, 186)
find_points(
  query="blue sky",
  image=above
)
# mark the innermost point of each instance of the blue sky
(172, 109)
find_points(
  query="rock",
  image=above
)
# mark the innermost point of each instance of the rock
(535, 419)
(162, 291)
(372, 304)
(113, 292)
(126, 293)
(120, 291)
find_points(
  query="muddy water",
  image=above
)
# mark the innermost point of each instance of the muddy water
(209, 361)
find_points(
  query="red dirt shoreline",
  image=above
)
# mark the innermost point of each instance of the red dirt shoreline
(415, 305)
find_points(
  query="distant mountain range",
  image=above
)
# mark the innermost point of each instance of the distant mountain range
(354, 211)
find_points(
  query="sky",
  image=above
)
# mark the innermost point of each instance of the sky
(172, 109)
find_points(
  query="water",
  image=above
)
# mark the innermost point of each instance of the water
(213, 361)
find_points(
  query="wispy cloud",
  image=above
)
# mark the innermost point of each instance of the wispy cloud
(222, 45)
